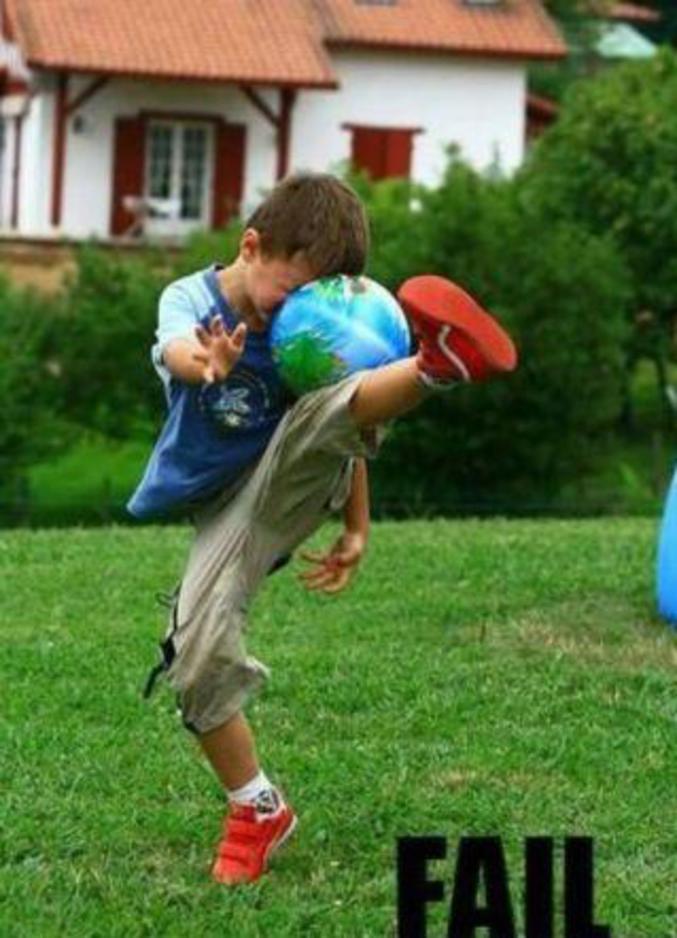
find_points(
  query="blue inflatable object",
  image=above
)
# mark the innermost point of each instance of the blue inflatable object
(667, 557)
(333, 327)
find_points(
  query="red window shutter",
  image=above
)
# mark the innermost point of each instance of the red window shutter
(228, 173)
(382, 152)
(398, 153)
(368, 151)
(128, 169)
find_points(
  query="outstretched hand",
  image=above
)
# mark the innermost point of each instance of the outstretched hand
(221, 350)
(332, 571)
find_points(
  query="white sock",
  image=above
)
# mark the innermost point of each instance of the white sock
(251, 791)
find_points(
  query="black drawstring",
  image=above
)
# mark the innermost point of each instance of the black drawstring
(169, 601)
(152, 678)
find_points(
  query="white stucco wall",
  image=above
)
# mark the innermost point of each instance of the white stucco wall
(35, 186)
(475, 103)
(89, 152)
(32, 164)
(478, 104)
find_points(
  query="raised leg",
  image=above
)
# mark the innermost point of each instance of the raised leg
(387, 392)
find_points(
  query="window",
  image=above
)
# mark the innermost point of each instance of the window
(382, 152)
(178, 159)
(173, 173)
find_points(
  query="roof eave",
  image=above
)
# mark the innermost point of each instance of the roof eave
(330, 84)
(466, 50)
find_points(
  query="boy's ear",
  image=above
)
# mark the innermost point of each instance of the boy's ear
(250, 244)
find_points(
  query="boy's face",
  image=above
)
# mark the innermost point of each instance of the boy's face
(268, 280)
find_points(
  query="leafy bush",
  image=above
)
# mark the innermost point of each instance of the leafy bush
(608, 164)
(101, 338)
(29, 429)
(563, 293)
(560, 289)
(208, 247)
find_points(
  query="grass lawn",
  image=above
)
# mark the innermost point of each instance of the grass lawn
(494, 677)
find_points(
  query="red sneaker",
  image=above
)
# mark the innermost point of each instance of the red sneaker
(252, 833)
(458, 340)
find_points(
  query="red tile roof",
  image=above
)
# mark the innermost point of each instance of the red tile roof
(251, 41)
(508, 28)
(633, 12)
(221, 40)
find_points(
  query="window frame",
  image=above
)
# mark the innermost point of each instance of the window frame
(161, 226)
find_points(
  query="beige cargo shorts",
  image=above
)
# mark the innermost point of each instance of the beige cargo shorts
(303, 477)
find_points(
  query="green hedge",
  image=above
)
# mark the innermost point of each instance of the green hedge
(81, 359)
(562, 293)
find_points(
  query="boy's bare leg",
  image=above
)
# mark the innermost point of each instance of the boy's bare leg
(259, 820)
(387, 392)
(231, 751)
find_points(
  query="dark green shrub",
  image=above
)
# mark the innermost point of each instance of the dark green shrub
(563, 294)
(208, 247)
(608, 164)
(29, 424)
(561, 290)
(103, 333)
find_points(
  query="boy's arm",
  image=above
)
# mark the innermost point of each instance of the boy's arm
(209, 358)
(356, 511)
(333, 571)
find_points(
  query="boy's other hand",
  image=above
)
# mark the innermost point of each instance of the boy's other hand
(221, 350)
(333, 571)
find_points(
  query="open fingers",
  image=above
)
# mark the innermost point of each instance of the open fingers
(333, 581)
(341, 580)
(203, 337)
(208, 370)
(317, 573)
(318, 582)
(216, 326)
(238, 335)
(313, 556)
(328, 581)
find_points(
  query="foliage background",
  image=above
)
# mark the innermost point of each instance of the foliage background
(576, 254)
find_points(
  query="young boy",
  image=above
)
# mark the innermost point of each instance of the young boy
(259, 472)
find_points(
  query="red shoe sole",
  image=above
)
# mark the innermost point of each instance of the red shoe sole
(438, 300)
(280, 842)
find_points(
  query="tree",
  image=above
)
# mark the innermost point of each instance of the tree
(664, 29)
(561, 292)
(29, 428)
(609, 165)
(581, 23)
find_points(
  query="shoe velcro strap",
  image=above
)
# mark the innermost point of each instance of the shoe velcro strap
(231, 851)
(243, 830)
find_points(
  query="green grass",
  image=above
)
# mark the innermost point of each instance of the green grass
(479, 677)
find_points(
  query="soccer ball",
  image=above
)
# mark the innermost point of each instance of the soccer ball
(333, 327)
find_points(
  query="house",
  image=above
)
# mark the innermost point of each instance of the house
(541, 113)
(617, 40)
(620, 39)
(123, 117)
(634, 13)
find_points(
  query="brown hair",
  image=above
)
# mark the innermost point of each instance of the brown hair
(319, 214)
